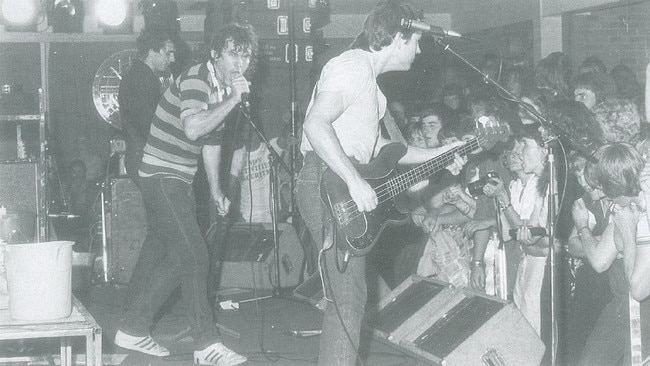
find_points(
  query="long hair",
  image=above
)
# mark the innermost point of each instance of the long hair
(383, 23)
(530, 132)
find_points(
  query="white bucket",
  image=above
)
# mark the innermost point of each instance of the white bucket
(39, 280)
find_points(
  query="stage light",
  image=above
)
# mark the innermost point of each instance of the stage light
(111, 12)
(20, 15)
(114, 16)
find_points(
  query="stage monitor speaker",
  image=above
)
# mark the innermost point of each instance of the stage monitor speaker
(250, 257)
(452, 327)
(127, 229)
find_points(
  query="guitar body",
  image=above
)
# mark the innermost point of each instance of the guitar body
(357, 232)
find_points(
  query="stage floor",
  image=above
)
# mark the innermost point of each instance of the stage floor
(261, 330)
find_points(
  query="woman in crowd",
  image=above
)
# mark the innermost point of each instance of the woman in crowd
(523, 206)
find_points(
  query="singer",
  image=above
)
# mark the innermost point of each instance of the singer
(188, 124)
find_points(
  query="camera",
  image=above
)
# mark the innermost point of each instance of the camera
(475, 188)
(534, 231)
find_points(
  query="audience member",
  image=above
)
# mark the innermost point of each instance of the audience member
(552, 76)
(452, 96)
(619, 120)
(586, 291)
(523, 206)
(592, 64)
(628, 86)
(592, 88)
(433, 116)
(517, 79)
(622, 249)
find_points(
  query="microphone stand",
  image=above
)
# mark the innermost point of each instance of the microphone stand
(273, 158)
(551, 159)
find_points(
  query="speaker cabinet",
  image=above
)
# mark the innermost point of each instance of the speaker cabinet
(447, 326)
(250, 257)
(19, 187)
(128, 229)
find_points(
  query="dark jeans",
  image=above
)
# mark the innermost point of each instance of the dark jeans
(152, 252)
(185, 262)
(348, 289)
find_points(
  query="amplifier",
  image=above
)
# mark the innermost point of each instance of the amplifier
(19, 187)
(443, 325)
(127, 229)
(250, 257)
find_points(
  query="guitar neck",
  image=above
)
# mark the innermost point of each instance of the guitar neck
(404, 181)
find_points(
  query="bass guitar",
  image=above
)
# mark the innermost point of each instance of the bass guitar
(357, 232)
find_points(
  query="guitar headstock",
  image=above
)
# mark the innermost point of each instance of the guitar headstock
(489, 131)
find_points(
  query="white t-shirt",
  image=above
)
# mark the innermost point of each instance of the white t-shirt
(255, 180)
(353, 77)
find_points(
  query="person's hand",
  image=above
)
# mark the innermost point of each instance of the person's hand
(363, 195)
(524, 236)
(430, 224)
(580, 214)
(457, 191)
(239, 85)
(449, 196)
(418, 218)
(477, 278)
(222, 202)
(494, 187)
(625, 219)
(476, 225)
(457, 165)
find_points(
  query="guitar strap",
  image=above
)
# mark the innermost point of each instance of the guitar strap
(391, 127)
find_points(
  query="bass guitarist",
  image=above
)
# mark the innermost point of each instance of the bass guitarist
(341, 130)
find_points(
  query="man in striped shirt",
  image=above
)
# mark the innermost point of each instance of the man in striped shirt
(188, 125)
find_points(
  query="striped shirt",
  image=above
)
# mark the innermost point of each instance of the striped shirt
(169, 152)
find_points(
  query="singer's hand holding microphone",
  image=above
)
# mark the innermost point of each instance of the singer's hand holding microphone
(240, 88)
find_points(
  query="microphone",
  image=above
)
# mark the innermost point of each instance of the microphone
(428, 28)
(244, 101)
(244, 96)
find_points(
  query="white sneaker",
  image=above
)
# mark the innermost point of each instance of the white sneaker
(219, 355)
(141, 344)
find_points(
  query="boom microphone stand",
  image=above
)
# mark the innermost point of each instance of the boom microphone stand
(551, 192)
(274, 158)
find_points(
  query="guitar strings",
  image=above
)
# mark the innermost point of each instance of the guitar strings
(399, 183)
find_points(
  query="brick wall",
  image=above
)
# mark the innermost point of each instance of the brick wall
(514, 42)
(615, 35)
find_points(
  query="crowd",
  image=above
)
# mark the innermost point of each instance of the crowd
(571, 177)
(482, 226)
